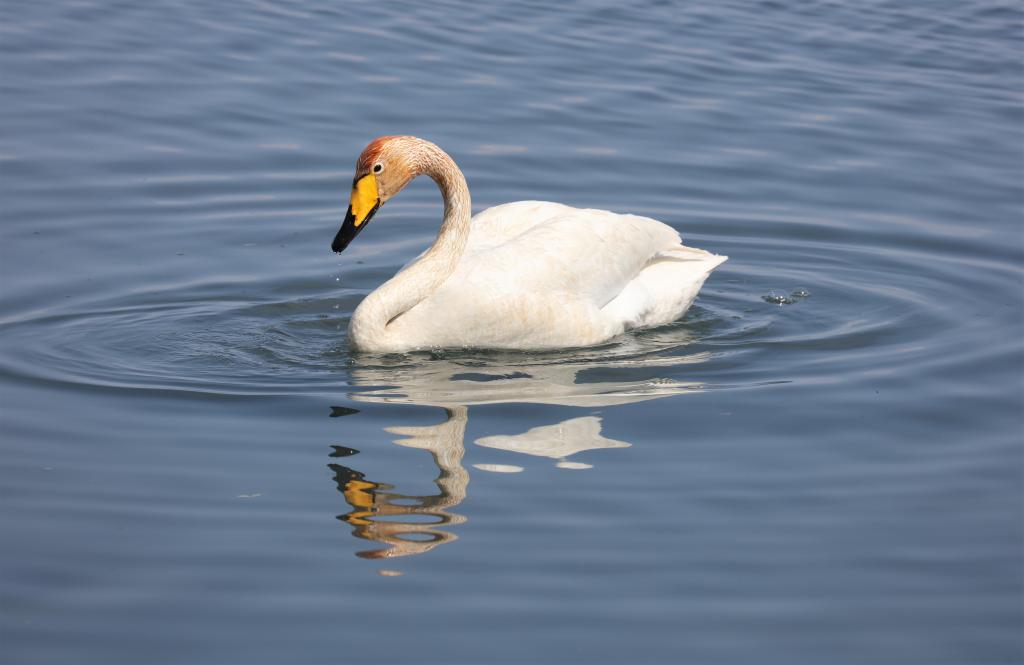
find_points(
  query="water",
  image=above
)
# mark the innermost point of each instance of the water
(820, 463)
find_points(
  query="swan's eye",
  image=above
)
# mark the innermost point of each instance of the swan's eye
(378, 167)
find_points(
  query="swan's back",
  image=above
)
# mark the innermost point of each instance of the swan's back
(579, 253)
(542, 274)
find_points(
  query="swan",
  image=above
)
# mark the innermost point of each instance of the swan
(528, 275)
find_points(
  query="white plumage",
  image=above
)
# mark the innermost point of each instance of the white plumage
(525, 275)
(539, 275)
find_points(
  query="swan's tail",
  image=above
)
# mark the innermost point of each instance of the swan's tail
(700, 259)
(664, 289)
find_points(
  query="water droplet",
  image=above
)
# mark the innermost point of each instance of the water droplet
(777, 299)
(800, 293)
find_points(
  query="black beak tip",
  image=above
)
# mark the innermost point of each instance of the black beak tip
(339, 245)
(345, 234)
(348, 231)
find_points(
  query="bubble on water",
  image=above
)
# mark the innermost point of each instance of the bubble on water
(800, 293)
(777, 299)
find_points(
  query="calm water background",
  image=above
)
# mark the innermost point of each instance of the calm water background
(834, 480)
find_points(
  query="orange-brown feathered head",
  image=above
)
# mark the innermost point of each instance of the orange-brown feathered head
(382, 170)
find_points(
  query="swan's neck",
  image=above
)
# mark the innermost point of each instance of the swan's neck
(368, 329)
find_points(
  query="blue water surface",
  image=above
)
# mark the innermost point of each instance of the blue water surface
(821, 463)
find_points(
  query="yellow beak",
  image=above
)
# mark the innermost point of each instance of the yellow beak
(364, 202)
(364, 199)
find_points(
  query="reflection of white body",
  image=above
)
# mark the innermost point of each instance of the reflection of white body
(453, 386)
(526, 275)
(449, 384)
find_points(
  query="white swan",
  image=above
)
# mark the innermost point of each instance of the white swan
(525, 275)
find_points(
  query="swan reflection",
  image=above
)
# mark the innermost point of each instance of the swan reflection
(415, 524)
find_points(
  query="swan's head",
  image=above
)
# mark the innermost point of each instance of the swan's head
(383, 169)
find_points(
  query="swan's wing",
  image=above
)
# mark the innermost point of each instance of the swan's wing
(496, 226)
(543, 275)
(664, 289)
(568, 252)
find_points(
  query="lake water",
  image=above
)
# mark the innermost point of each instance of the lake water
(195, 469)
